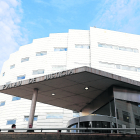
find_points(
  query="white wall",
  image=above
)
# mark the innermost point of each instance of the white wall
(73, 57)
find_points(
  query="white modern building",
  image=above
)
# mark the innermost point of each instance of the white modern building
(110, 51)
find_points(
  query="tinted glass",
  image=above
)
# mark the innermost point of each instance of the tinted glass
(21, 77)
(9, 122)
(15, 98)
(2, 103)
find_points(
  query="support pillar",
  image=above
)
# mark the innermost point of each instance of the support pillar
(33, 105)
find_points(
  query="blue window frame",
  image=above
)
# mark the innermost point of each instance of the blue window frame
(54, 116)
(24, 59)
(12, 66)
(15, 98)
(9, 122)
(21, 77)
(41, 53)
(26, 118)
(60, 49)
(2, 103)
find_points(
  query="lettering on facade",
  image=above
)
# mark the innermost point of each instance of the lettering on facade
(32, 80)
(47, 77)
(12, 85)
(58, 74)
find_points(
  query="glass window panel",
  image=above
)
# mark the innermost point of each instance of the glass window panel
(26, 118)
(137, 120)
(86, 47)
(129, 49)
(78, 46)
(41, 71)
(2, 103)
(54, 116)
(100, 45)
(126, 116)
(118, 66)
(109, 46)
(25, 59)
(15, 98)
(58, 67)
(122, 48)
(60, 49)
(138, 69)
(136, 50)
(133, 68)
(124, 67)
(12, 66)
(21, 77)
(9, 122)
(116, 47)
(41, 53)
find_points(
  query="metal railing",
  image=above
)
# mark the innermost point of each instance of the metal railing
(101, 130)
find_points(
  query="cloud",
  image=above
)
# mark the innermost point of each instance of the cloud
(10, 31)
(120, 15)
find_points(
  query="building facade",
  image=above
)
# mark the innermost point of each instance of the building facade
(110, 51)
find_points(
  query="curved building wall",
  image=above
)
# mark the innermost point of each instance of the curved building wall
(114, 52)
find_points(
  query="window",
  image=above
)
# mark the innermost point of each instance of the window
(21, 77)
(117, 113)
(82, 46)
(118, 47)
(126, 116)
(41, 53)
(15, 98)
(3, 74)
(41, 71)
(60, 49)
(9, 122)
(137, 120)
(75, 114)
(54, 116)
(12, 66)
(24, 59)
(2, 103)
(26, 118)
(58, 67)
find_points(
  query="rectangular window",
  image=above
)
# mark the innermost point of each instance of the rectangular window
(117, 113)
(82, 46)
(24, 59)
(12, 66)
(15, 98)
(9, 122)
(41, 71)
(58, 67)
(21, 77)
(41, 53)
(54, 116)
(60, 49)
(137, 120)
(2, 103)
(126, 116)
(26, 118)
(3, 74)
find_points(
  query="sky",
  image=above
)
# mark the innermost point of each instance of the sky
(21, 21)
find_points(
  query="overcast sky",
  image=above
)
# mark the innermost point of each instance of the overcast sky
(21, 21)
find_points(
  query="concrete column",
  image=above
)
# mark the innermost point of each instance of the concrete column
(33, 105)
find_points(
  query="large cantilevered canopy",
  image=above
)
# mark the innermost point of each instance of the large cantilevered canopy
(69, 87)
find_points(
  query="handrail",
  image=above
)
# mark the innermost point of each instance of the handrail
(5, 129)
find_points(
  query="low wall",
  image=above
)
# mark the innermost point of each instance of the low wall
(66, 136)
